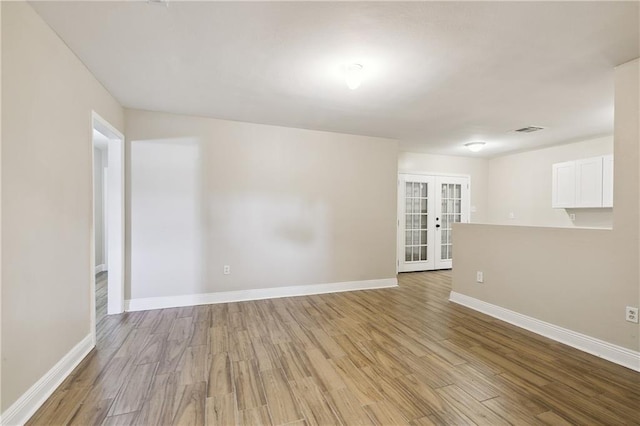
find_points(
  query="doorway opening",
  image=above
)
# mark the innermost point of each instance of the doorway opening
(107, 276)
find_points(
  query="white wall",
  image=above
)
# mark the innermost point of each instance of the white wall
(281, 206)
(521, 184)
(476, 168)
(47, 99)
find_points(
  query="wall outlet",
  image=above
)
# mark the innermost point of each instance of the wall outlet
(226, 270)
(572, 216)
(631, 314)
(512, 215)
(480, 277)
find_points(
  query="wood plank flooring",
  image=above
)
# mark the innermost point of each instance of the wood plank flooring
(383, 357)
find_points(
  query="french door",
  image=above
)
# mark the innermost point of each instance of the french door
(428, 206)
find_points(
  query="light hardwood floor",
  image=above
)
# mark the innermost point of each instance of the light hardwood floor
(391, 357)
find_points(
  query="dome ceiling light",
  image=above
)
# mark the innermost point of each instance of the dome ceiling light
(475, 146)
(353, 75)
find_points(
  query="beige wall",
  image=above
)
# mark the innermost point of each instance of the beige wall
(281, 206)
(575, 278)
(476, 168)
(521, 184)
(47, 99)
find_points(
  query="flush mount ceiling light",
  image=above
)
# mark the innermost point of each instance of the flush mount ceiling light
(474, 146)
(353, 75)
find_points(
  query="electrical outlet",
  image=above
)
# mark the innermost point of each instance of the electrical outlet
(479, 277)
(512, 215)
(631, 314)
(572, 216)
(227, 269)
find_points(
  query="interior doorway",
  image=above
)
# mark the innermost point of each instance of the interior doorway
(428, 206)
(100, 167)
(107, 275)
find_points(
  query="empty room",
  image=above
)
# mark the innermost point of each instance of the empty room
(319, 213)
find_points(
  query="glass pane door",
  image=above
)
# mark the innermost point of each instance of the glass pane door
(451, 207)
(428, 206)
(417, 218)
(450, 213)
(415, 223)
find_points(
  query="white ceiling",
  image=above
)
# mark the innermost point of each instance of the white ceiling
(437, 74)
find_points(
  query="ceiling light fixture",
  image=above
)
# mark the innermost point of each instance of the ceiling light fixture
(474, 146)
(353, 76)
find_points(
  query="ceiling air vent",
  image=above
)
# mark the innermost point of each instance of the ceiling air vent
(529, 129)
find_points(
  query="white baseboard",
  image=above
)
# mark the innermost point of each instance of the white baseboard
(145, 304)
(21, 410)
(614, 353)
(100, 268)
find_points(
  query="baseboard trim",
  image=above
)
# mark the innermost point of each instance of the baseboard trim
(144, 304)
(100, 268)
(21, 410)
(614, 353)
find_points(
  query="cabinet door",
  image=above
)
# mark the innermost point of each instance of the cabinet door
(563, 188)
(607, 181)
(589, 182)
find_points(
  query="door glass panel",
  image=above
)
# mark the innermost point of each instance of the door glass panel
(423, 252)
(416, 205)
(416, 221)
(451, 206)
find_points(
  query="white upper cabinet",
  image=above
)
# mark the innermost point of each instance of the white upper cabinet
(586, 183)
(564, 185)
(589, 182)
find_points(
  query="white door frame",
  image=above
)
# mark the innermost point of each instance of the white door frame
(115, 220)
